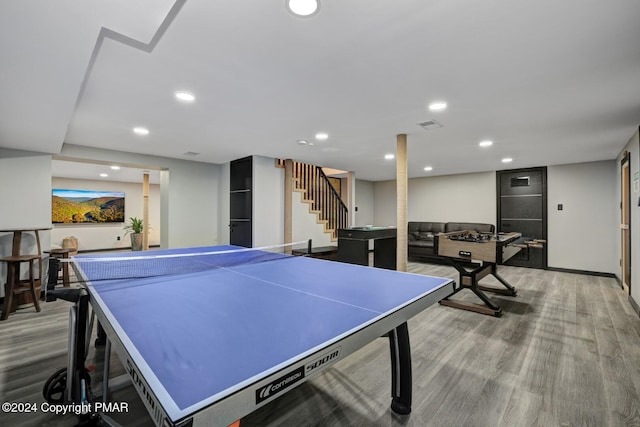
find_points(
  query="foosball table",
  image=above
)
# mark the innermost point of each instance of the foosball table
(476, 255)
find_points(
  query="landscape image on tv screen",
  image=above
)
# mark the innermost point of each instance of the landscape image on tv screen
(85, 206)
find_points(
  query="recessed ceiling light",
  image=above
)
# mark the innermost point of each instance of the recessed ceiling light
(185, 96)
(322, 136)
(141, 131)
(389, 156)
(438, 106)
(115, 167)
(303, 7)
(507, 160)
(304, 142)
(104, 175)
(428, 168)
(486, 143)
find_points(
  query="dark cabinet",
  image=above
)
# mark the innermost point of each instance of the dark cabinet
(241, 202)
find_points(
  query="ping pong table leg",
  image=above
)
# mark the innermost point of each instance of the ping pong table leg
(400, 370)
(106, 371)
(101, 337)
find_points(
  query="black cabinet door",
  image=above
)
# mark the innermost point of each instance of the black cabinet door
(522, 207)
(240, 233)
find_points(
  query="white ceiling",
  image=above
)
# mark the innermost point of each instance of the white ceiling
(95, 171)
(550, 82)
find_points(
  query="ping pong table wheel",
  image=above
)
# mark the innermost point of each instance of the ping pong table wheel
(399, 407)
(54, 388)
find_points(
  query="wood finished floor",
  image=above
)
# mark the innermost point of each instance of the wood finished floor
(565, 353)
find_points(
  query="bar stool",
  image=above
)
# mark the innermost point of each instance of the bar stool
(14, 285)
(63, 253)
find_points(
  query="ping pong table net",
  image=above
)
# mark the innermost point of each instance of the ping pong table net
(92, 269)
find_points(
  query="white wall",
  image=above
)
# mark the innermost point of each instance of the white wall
(189, 193)
(25, 196)
(268, 208)
(633, 147)
(25, 191)
(268, 202)
(459, 198)
(364, 201)
(582, 236)
(384, 203)
(105, 236)
(305, 225)
(453, 198)
(191, 218)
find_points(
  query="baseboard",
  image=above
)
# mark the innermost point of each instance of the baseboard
(584, 272)
(429, 259)
(619, 280)
(634, 305)
(124, 248)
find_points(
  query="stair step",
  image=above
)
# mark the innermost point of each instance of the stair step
(309, 174)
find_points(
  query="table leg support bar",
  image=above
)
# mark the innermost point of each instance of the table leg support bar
(489, 307)
(508, 291)
(469, 280)
(400, 370)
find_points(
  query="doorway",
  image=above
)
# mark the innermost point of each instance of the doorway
(522, 207)
(625, 226)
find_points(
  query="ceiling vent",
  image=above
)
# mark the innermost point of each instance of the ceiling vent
(431, 124)
(191, 153)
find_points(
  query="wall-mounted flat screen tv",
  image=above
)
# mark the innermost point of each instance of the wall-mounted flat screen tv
(86, 207)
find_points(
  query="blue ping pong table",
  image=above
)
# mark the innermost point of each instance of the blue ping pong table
(209, 347)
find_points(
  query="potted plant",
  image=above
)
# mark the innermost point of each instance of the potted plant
(135, 228)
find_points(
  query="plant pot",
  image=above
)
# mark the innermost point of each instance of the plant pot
(136, 241)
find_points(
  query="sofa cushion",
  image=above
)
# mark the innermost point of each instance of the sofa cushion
(426, 227)
(421, 243)
(422, 235)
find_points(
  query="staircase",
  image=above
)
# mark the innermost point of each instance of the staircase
(324, 201)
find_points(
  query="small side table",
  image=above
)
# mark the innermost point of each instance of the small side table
(63, 253)
(25, 298)
(14, 286)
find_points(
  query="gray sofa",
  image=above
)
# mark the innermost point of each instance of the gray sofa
(421, 235)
